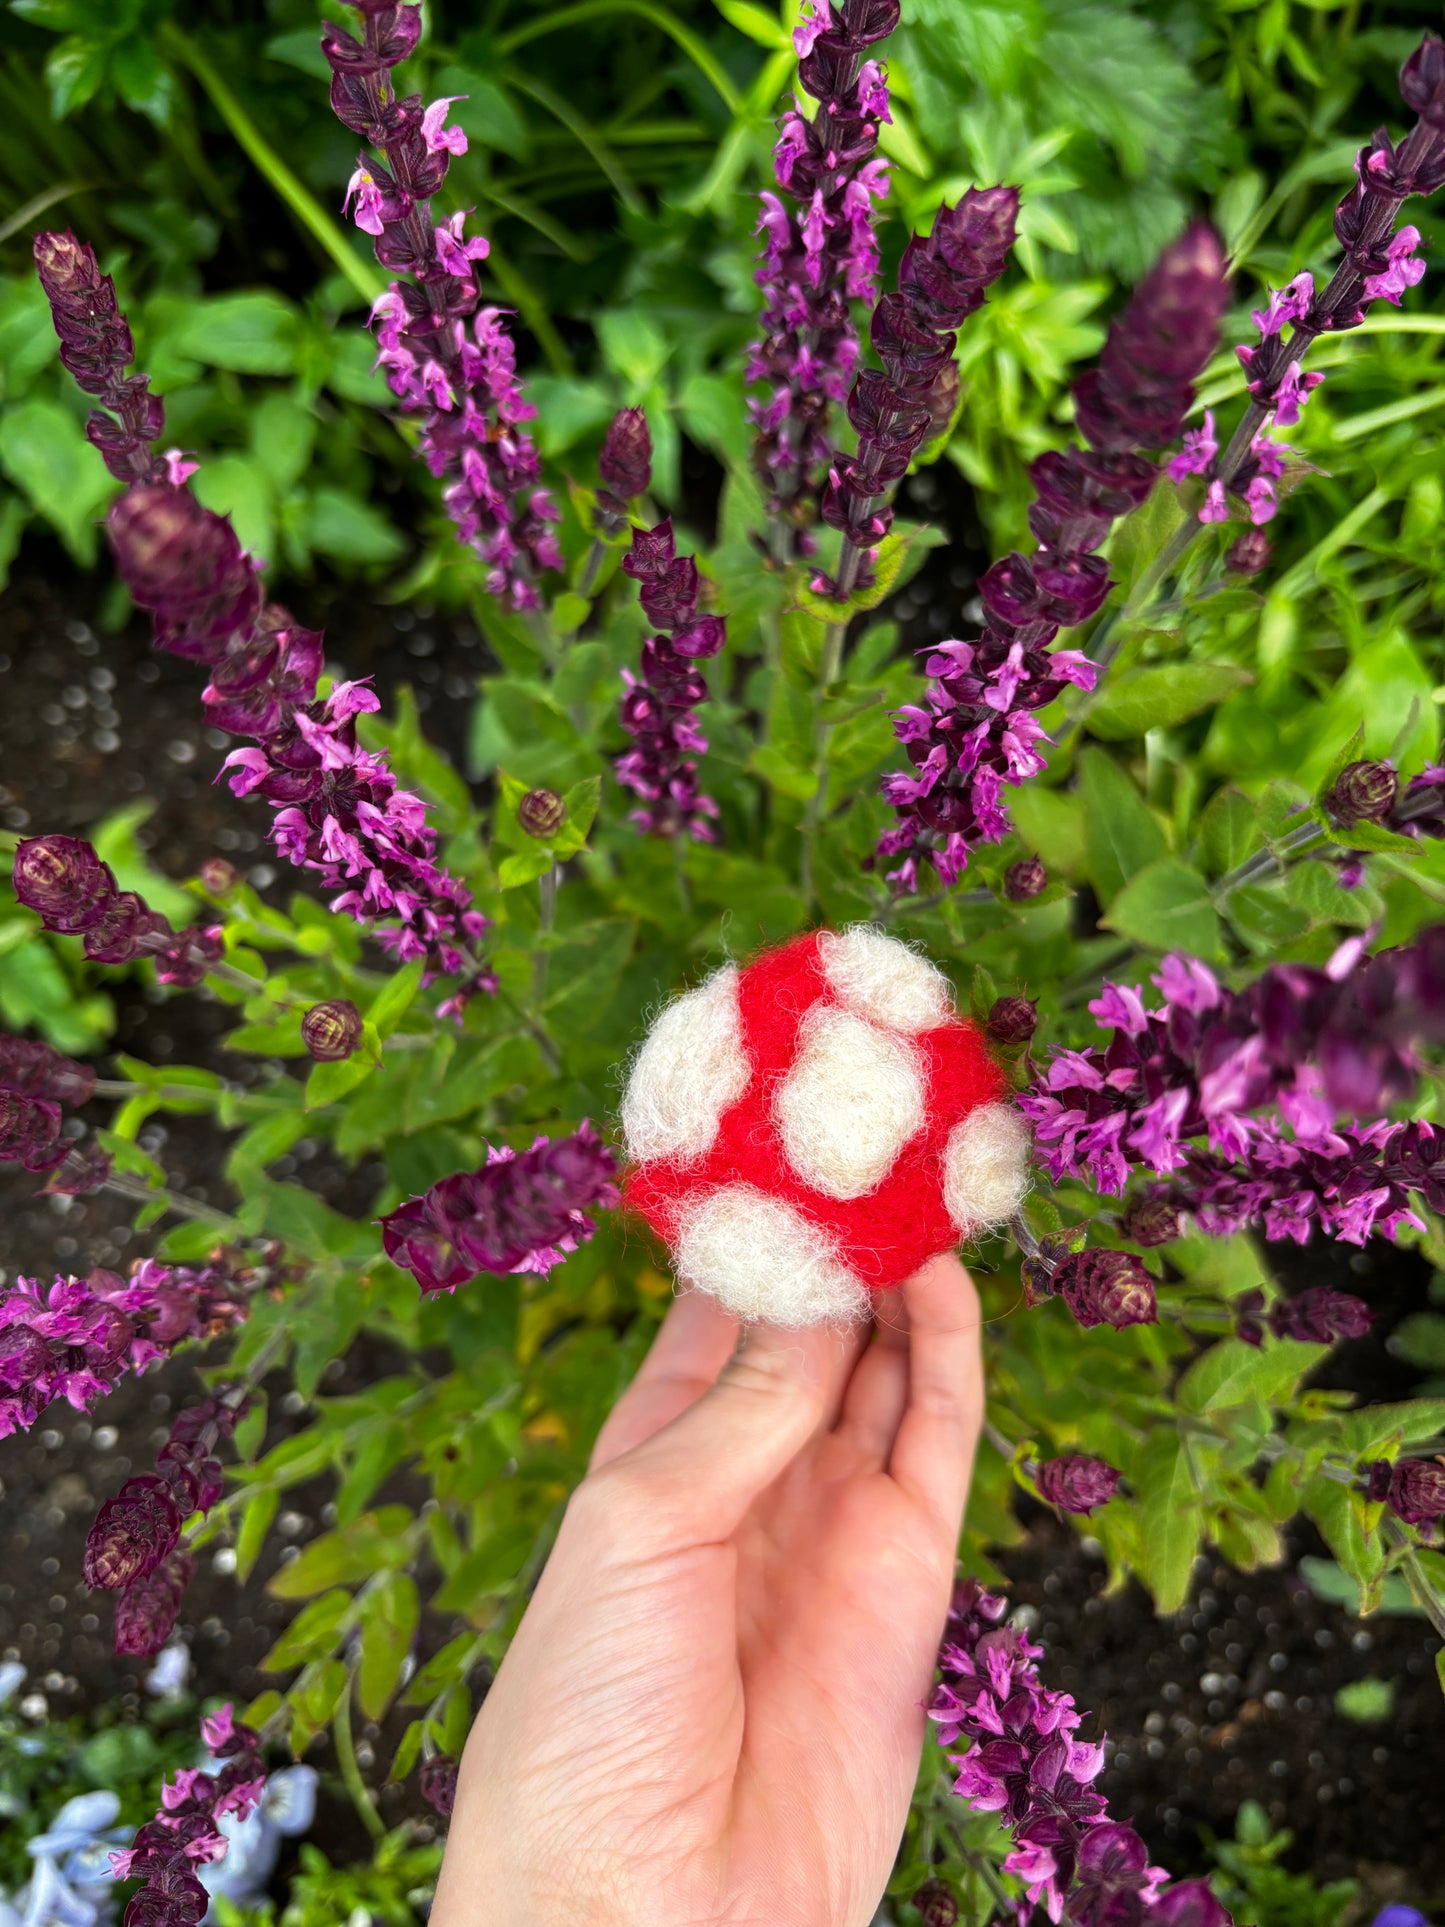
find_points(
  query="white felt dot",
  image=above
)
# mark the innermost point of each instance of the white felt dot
(880, 978)
(850, 1103)
(986, 1167)
(761, 1259)
(690, 1068)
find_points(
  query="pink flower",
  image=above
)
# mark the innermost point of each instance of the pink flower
(370, 202)
(1294, 391)
(456, 251)
(1286, 305)
(1215, 508)
(1402, 269)
(816, 19)
(440, 139)
(1198, 451)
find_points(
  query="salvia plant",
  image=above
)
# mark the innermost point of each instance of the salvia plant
(1221, 1002)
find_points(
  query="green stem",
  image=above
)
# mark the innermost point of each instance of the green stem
(1421, 1591)
(830, 661)
(308, 211)
(659, 17)
(126, 1186)
(350, 1771)
(122, 1087)
(592, 568)
(546, 918)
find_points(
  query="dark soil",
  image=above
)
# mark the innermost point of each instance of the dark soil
(1233, 1698)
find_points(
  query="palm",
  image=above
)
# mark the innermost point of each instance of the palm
(740, 1658)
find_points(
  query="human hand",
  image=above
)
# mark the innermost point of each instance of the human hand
(711, 1710)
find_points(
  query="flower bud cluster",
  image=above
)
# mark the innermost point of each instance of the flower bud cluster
(522, 1211)
(1413, 1489)
(186, 1831)
(340, 810)
(35, 1083)
(75, 1340)
(625, 465)
(96, 349)
(1025, 1765)
(132, 1547)
(1099, 1287)
(659, 703)
(977, 729)
(1076, 1483)
(942, 280)
(448, 360)
(1300, 1043)
(1318, 1316)
(1378, 262)
(819, 249)
(63, 880)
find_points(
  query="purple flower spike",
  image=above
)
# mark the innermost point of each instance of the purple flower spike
(659, 704)
(1025, 1764)
(136, 1533)
(1076, 1483)
(1106, 1288)
(147, 1609)
(625, 463)
(941, 281)
(522, 1211)
(341, 811)
(32, 1069)
(448, 360)
(819, 249)
(976, 731)
(63, 880)
(186, 1832)
(1264, 1076)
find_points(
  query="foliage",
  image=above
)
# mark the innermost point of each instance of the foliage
(1261, 1893)
(1227, 709)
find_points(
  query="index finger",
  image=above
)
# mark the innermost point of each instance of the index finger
(932, 1457)
(693, 1343)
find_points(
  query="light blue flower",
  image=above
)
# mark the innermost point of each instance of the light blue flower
(12, 1677)
(287, 1808)
(77, 1824)
(167, 1678)
(51, 1902)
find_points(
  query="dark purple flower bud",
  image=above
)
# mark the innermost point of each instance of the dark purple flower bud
(171, 1897)
(1012, 1020)
(132, 1534)
(1319, 1316)
(84, 1168)
(1422, 82)
(625, 463)
(1024, 880)
(1188, 1903)
(702, 637)
(33, 1069)
(1113, 1867)
(63, 881)
(1414, 1490)
(186, 567)
(1106, 1288)
(331, 1031)
(1076, 1483)
(1248, 553)
(1150, 1222)
(416, 1242)
(439, 1783)
(936, 1903)
(218, 877)
(147, 1610)
(30, 1132)
(541, 813)
(1361, 793)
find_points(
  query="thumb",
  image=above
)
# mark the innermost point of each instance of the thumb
(697, 1476)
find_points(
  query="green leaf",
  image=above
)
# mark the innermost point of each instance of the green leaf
(314, 1699)
(888, 560)
(1420, 1340)
(388, 1626)
(1171, 1518)
(1168, 907)
(256, 1520)
(408, 1750)
(1159, 697)
(1052, 824)
(374, 1542)
(1410, 1422)
(488, 113)
(1366, 1700)
(1228, 831)
(1121, 836)
(141, 81)
(311, 1635)
(395, 998)
(44, 453)
(75, 70)
(251, 334)
(340, 524)
(1339, 1512)
(443, 1669)
(524, 866)
(1232, 1373)
(756, 22)
(780, 772)
(327, 1083)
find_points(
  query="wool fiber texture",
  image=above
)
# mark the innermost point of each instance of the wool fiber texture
(858, 1103)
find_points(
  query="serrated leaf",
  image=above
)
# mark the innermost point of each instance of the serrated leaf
(1232, 1373)
(1168, 907)
(388, 1626)
(311, 1634)
(1159, 697)
(1171, 1518)
(1121, 836)
(256, 1520)
(347, 1555)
